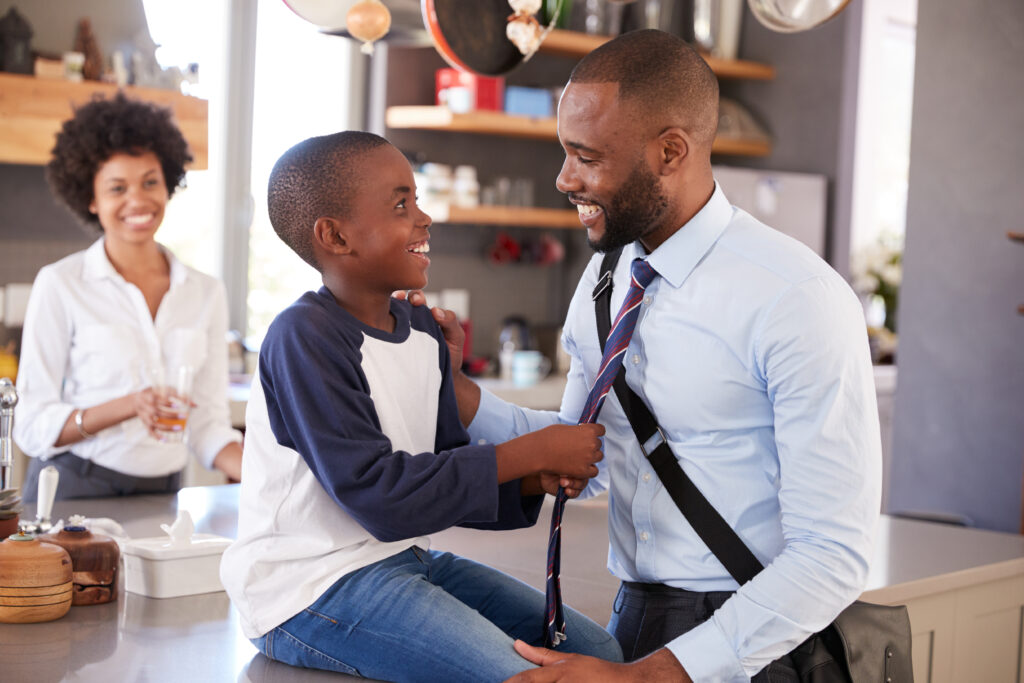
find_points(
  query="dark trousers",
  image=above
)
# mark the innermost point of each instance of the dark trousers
(646, 616)
(80, 478)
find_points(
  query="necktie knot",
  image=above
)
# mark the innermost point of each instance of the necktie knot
(642, 272)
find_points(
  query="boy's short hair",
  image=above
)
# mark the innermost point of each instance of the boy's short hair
(315, 178)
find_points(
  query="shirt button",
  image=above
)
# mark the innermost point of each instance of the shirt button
(481, 441)
(643, 536)
(647, 476)
(636, 359)
(647, 300)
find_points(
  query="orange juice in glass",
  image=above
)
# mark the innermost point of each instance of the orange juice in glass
(173, 387)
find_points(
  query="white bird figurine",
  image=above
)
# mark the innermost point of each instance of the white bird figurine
(181, 531)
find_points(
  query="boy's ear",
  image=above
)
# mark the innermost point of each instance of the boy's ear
(329, 235)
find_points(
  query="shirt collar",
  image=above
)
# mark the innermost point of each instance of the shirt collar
(676, 257)
(98, 266)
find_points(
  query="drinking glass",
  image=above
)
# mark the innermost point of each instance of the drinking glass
(173, 387)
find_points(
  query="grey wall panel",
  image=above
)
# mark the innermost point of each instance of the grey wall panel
(959, 414)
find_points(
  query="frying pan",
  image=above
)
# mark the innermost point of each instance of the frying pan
(471, 35)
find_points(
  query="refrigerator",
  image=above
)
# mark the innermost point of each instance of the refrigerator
(793, 203)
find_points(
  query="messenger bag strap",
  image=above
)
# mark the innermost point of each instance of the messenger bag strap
(719, 537)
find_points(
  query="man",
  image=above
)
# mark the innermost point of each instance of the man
(751, 353)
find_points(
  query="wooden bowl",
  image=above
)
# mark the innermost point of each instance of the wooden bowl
(94, 562)
(35, 580)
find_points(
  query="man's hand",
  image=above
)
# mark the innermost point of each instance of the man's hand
(661, 666)
(454, 335)
(566, 667)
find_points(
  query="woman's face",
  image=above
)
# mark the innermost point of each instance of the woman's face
(129, 197)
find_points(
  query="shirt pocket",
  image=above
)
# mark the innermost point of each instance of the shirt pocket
(104, 357)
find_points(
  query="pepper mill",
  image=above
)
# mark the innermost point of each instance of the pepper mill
(10, 501)
(35, 580)
(94, 561)
(8, 399)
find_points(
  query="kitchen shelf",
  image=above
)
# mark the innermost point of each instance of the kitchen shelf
(32, 111)
(498, 123)
(575, 44)
(510, 216)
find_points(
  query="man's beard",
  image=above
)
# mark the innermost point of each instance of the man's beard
(633, 212)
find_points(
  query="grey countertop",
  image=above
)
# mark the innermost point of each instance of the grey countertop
(197, 638)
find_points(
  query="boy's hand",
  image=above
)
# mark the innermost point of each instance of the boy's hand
(570, 450)
(454, 335)
(551, 482)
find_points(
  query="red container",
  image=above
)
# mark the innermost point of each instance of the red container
(461, 91)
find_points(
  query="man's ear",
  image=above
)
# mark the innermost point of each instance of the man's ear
(674, 145)
(329, 235)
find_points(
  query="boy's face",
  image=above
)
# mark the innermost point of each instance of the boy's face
(387, 231)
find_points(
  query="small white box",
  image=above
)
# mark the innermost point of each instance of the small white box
(157, 568)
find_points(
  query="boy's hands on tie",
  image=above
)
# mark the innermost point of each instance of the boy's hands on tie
(571, 451)
(550, 482)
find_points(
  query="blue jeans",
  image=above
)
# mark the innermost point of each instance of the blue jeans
(426, 616)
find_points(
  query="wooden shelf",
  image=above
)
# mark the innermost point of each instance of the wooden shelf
(481, 122)
(511, 216)
(575, 44)
(33, 109)
(498, 123)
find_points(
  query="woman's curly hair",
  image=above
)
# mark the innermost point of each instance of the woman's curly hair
(102, 128)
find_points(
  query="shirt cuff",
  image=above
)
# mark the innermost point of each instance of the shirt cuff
(492, 420)
(707, 656)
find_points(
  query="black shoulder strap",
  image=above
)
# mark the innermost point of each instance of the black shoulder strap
(603, 293)
(720, 538)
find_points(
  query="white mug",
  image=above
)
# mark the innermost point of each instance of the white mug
(529, 367)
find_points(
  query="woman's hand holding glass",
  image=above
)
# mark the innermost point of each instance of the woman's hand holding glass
(164, 406)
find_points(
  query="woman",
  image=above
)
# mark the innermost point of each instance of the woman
(99, 319)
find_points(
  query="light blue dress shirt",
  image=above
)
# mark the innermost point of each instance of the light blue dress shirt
(752, 353)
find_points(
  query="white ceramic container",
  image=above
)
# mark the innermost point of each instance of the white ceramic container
(160, 568)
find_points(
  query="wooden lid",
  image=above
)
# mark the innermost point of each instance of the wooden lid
(27, 562)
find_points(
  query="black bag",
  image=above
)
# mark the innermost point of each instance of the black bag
(866, 643)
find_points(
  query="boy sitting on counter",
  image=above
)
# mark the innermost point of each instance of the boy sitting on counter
(355, 452)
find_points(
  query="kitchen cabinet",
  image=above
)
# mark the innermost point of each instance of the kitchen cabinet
(33, 109)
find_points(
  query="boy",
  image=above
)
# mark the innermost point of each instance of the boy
(355, 451)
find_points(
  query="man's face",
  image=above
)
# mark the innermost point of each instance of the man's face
(606, 172)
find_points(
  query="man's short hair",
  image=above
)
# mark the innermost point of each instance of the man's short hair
(317, 177)
(660, 74)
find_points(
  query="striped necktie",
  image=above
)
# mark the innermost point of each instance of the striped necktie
(614, 349)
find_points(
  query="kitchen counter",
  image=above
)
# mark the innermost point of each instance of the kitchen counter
(197, 638)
